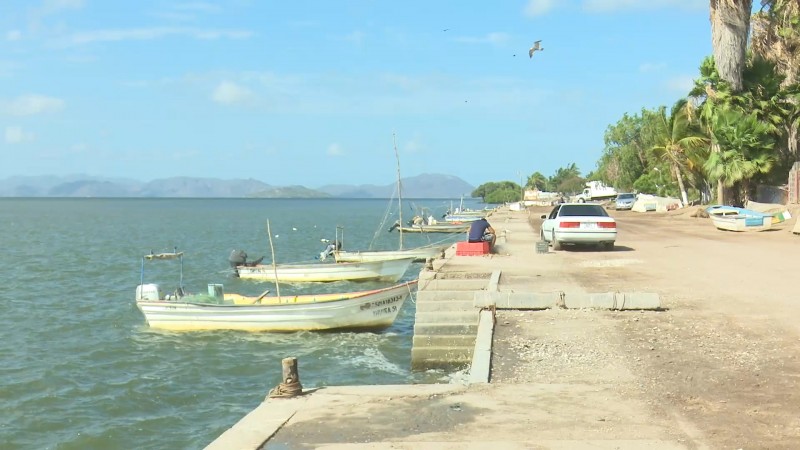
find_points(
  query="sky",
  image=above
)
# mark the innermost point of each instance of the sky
(321, 92)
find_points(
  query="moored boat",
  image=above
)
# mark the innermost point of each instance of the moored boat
(447, 227)
(418, 254)
(385, 270)
(215, 310)
(361, 310)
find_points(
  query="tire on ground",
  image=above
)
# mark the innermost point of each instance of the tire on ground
(556, 243)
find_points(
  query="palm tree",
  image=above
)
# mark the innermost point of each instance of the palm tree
(776, 37)
(745, 149)
(730, 26)
(538, 181)
(674, 137)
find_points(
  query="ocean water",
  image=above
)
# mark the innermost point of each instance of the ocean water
(80, 369)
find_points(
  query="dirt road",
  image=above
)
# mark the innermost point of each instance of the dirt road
(720, 366)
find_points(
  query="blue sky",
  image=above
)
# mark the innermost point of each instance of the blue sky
(311, 92)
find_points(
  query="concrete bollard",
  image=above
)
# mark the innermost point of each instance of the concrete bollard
(290, 387)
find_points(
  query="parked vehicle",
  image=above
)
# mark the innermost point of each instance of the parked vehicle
(625, 201)
(579, 223)
(596, 190)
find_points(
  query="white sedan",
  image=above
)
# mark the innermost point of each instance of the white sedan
(579, 223)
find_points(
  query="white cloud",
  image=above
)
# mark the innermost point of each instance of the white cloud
(7, 68)
(13, 35)
(490, 38)
(335, 150)
(54, 6)
(681, 84)
(147, 34)
(186, 12)
(228, 92)
(356, 37)
(538, 7)
(619, 5)
(197, 7)
(652, 67)
(414, 145)
(28, 105)
(16, 135)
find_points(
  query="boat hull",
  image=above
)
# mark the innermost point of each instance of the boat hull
(419, 254)
(742, 223)
(732, 218)
(385, 270)
(438, 228)
(365, 310)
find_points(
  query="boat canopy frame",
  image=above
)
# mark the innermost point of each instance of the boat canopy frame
(165, 256)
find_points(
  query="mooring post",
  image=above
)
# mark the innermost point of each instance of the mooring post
(290, 373)
(290, 386)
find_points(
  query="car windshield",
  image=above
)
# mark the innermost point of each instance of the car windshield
(625, 196)
(582, 210)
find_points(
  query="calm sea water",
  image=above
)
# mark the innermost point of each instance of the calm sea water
(79, 369)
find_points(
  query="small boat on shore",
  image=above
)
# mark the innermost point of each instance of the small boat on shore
(732, 218)
(368, 310)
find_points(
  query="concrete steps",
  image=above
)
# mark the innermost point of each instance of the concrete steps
(446, 323)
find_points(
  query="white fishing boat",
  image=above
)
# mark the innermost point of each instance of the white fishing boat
(742, 222)
(447, 227)
(731, 218)
(385, 270)
(215, 310)
(418, 254)
(463, 217)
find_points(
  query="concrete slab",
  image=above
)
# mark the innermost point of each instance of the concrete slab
(547, 416)
(480, 369)
(517, 300)
(483, 415)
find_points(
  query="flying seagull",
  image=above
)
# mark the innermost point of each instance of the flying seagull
(535, 47)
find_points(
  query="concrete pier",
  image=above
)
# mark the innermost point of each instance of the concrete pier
(454, 326)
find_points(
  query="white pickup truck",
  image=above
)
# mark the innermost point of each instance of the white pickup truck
(596, 190)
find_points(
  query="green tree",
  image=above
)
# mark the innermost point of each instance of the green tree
(745, 149)
(486, 190)
(674, 137)
(537, 181)
(625, 155)
(504, 195)
(565, 178)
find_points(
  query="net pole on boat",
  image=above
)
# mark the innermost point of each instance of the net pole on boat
(274, 267)
(399, 190)
(180, 257)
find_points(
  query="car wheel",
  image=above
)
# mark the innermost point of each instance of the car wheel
(608, 246)
(580, 200)
(556, 244)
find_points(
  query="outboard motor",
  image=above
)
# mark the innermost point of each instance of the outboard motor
(237, 258)
(329, 250)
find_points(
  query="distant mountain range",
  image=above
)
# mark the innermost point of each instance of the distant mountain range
(421, 186)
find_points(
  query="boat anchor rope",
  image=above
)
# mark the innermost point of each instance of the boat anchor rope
(289, 388)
